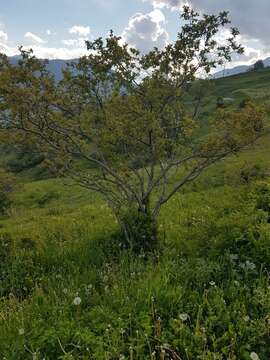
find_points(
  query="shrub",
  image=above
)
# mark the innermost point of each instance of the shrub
(7, 183)
(262, 193)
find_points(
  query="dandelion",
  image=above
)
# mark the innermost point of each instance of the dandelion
(183, 317)
(77, 301)
(21, 331)
(254, 356)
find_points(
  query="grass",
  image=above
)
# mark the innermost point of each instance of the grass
(69, 292)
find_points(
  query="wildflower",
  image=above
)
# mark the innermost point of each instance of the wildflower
(21, 331)
(248, 265)
(254, 356)
(77, 301)
(88, 288)
(183, 317)
(212, 283)
(246, 318)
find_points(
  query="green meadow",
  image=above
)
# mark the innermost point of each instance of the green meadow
(69, 291)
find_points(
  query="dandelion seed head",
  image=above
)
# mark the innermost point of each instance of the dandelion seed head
(77, 301)
(254, 356)
(183, 317)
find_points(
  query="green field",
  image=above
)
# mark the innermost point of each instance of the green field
(68, 291)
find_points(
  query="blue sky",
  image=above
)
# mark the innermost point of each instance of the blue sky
(58, 28)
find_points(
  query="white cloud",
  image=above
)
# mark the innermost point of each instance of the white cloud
(3, 36)
(33, 37)
(75, 42)
(145, 31)
(80, 30)
(63, 53)
(48, 32)
(173, 4)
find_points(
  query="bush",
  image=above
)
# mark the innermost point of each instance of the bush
(245, 174)
(7, 183)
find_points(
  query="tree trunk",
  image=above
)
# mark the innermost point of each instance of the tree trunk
(139, 228)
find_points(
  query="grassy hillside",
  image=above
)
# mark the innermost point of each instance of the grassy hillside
(68, 291)
(253, 80)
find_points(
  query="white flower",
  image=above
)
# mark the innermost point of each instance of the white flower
(254, 356)
(183, 317)
(21, 331)
(77, 301)
(248, 265)
(246, 318)
(212, 283)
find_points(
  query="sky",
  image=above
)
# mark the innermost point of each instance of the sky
(57, 29)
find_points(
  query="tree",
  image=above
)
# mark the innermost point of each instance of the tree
(259, 65)
(133, 119)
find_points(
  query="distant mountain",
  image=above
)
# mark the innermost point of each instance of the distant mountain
(237, 70)
(54, 66)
